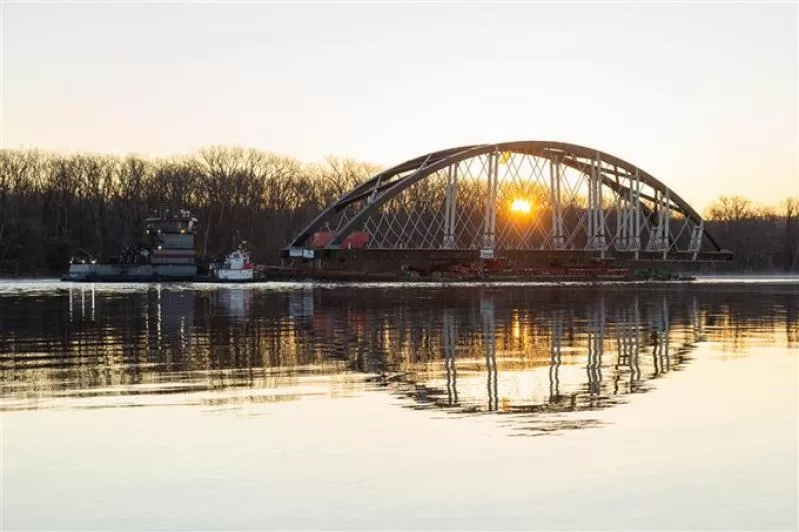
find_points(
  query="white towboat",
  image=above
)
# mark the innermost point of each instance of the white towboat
(237, 266)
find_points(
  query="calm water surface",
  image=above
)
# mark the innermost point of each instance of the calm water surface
(399, 407)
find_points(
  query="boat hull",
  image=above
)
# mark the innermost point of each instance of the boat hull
(336, 276)
(235, 275)
(100, 273)
(127, 273)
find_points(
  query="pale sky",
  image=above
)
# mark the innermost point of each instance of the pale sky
(703, 96)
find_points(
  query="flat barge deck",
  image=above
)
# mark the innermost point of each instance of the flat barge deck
(278, 274)
(167, 254)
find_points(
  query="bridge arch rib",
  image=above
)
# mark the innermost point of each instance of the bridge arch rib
(526, 195)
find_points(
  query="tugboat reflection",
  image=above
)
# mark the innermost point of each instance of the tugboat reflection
(235, 303)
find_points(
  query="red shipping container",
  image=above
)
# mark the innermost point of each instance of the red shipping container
(320, 239)
(354, 240)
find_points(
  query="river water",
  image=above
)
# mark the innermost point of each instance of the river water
(291, 406)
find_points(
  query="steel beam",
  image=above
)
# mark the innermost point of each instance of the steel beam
(557, 235)
(490, 218)
(450, 207)
(600, 170)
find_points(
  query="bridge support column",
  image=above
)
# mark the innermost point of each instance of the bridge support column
(596, 213)
(591, 201)
(600, 208)
(557, 236)
(635, 222)
(623, 217)
(490, 220)
(450, 207)
(628, 221)
(659, 237)
(696, 239)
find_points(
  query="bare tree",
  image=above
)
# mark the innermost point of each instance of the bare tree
(55, 205)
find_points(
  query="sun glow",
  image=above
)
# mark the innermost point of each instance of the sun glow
(521, 206)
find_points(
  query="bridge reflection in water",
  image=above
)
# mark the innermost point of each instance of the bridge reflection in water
(592, 358)
(521, 349)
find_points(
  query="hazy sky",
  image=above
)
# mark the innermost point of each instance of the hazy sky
(704, 97)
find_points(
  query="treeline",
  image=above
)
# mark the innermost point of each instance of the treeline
(763, 238)
(54, 206)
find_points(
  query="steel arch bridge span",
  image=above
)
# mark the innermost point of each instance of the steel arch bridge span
(528, 195)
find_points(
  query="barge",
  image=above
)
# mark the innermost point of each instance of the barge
(167, 254)
(575, 275)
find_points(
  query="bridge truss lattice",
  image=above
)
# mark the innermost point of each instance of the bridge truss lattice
(532, 195)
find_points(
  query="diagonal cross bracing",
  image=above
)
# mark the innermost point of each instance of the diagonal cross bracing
(463, 198)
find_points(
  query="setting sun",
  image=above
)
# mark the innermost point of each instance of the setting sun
(521, 206)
